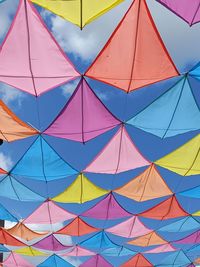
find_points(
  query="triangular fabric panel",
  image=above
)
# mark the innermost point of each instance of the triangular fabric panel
(100, 241)
(78, 12)
(117, 251)
(178, 112)
(107, 209)
(195, 72)
(2, 171)
(77, 228)
(50, 243)
(48, 213)
(3, 248)
(191, 193)
(187, 165)
(54, 261)
(36, 63)
(97, 261)
(197, 213)
(15, 260)
(191, 239)
(23, 232)
(141, 188)
(119, 155)
(6, 215)
(175, 259)
(130, 228)
(135, 55)
(83, 118)
(12, 128)
(168, 209)
(150, 239)
(80, 191)
(161, 249)
(183, 225)
(195, 249)
(29, 251)
(77, 251)
(41, 162)
(187, 10)
(7, 239)
(137, 261)
(12, 189)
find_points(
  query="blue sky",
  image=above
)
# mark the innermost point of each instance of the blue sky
(82, 47)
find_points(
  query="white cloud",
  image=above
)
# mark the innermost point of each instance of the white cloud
(181, 40)
(9, 94)
(5, 161)
(87, 43)
(102, 96)
(7, 10)
(69, 88)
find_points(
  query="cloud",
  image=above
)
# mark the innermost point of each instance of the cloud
(85, 44)
(181, 40)
(5, 161)
(102, 96)
(7, 10)
(69, 88)
(9, 94)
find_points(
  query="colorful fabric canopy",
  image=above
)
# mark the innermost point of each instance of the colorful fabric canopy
(55, 260)
(107, 209)
(140, 188)
(12, 128)
(92, 188)
(178, 112)
(177, 258)
(195, 72)
(48, 213)
(15, 260)
(182, 225)
(187, 10)
(138, 261)
(99, 242)
(12, 189)
(187, 165)
(80, 191)
(78, 251)
(29, 251)
(79, 12)
(6, 215)
(150, 239)
(23, 232)
(168, 209)
(41, 162)
(161, 249)
(77, 228)
(122, 154)
(97, 261)
(130, 228)
(50, 243)
(128, 61)
(29, 65)
(7, 239)
(191, 239)
(83, 118)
